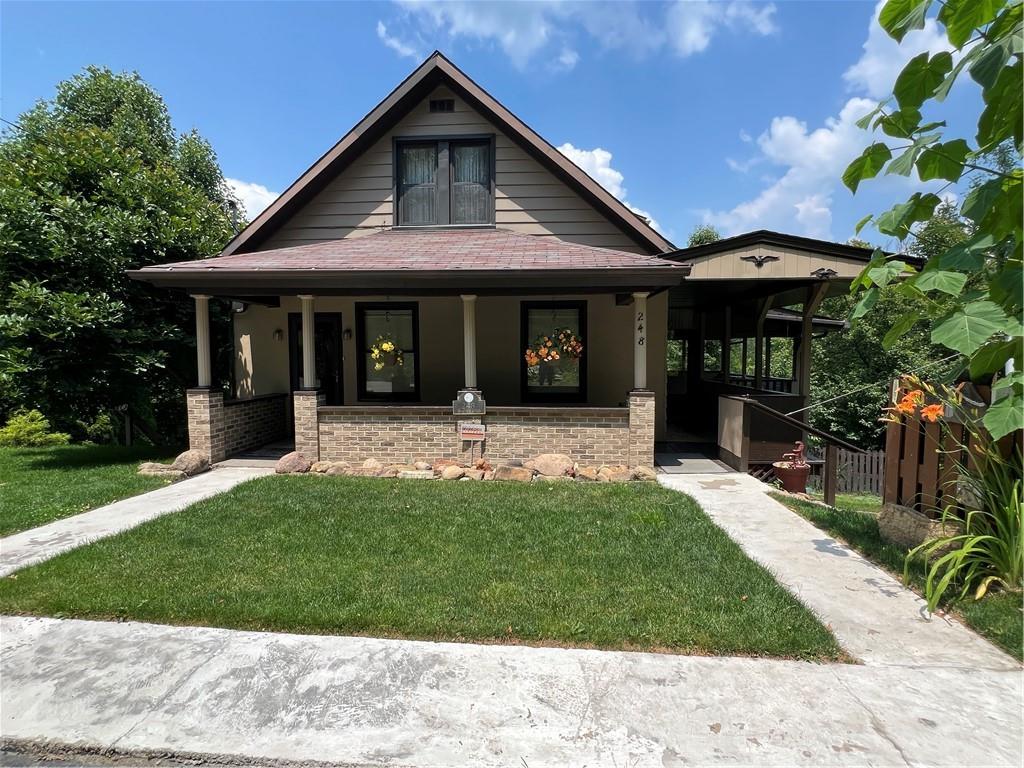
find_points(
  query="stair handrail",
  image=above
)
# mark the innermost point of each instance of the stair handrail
(790, 421)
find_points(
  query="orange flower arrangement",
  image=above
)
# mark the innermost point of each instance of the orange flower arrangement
(932, 412)
(547, 350)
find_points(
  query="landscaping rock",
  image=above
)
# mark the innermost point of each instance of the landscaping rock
(614, 474)
(422, 465)
(587, 474)
(474, 474)
(416, 474)
(551, 464)
(373, 464)
(489, 475)
(339, 468)
(483, 464)
(292, 463)
(509, 472)
(320, 467)
(644, 474)
(438, 464)
(153, 469)
(552, 479)
(191, 463)
(908, 528)
(361, 472)
(387, 472)
(452, 472)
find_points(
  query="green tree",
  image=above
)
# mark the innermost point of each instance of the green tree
(702, 235)
(972, 293)
(96, 182)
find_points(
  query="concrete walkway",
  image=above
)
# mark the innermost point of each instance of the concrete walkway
(873, 615)
(359, 701)
(38, 544)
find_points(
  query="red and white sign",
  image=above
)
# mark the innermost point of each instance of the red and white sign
(476, 433)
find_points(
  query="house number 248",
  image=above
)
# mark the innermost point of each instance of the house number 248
(640, 328)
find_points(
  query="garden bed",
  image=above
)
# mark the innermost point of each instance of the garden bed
(629, 566)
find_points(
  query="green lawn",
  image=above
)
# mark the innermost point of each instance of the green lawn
(38, 485)
(632, 566)
(998, 616)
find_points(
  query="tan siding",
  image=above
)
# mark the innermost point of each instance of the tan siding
(791, 264)
(529, 199)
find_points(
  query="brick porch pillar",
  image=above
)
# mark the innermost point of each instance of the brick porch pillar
(641, 428)
(206, 423)
(307, 427)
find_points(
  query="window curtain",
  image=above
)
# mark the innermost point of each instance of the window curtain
(418, 185)
(471, 183)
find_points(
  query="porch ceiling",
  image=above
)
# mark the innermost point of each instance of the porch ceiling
(423, 261)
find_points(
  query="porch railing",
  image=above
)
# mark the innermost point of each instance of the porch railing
(736, 427)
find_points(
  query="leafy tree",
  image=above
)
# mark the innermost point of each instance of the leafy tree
(94, 183)
(978, 319)
(702, 235)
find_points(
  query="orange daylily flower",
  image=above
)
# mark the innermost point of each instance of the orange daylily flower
(932, 412)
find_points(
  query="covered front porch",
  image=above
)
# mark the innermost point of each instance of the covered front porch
(443, 357)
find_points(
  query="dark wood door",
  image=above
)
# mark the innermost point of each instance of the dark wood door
(327, 342)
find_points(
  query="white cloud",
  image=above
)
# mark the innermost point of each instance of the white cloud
(692, 25)
(811, 161)
(883, 58)
(254, 197)
(523, 30)
(402, 49)
(597, 164)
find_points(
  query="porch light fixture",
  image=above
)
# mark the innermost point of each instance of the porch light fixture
(278, 334)
(347, 334)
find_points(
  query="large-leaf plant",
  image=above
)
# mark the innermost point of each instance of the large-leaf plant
(973, 290)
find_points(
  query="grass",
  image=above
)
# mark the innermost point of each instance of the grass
(630, 566)
(998, 616)
(39, 485)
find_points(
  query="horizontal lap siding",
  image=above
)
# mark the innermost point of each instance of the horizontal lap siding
(528, 198)
(407, 434)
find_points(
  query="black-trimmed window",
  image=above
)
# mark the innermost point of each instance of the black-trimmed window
(444, 182)
(388, 362)
(553, 360)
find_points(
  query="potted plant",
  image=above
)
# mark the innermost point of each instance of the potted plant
(793, 470)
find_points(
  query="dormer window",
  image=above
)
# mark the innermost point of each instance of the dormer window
(444, 182)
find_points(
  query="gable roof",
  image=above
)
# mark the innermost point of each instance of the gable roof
(438, 70)
(780, 239)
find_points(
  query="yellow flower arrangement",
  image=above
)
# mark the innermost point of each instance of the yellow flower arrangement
(384, 351)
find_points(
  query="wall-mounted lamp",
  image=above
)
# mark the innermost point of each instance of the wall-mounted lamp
(347, 334)
(278, 334)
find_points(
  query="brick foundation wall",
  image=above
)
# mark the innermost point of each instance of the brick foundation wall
(641, 428)
(254, 421)
(206, 423)
(307, 437)
(407, 433)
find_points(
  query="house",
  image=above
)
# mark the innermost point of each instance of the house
(443, 273)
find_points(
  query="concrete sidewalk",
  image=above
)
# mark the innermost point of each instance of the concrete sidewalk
(38, 544)
(359, 701)
(873, 615)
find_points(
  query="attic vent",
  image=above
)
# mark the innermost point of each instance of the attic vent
(442, 105)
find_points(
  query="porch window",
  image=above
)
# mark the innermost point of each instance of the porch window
(388, 339)
(554, 339)
(445, 182)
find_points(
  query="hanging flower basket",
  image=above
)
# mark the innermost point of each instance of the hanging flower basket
(563, 344)
(385, 352)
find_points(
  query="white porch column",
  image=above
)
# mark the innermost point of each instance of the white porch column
(203, 339)
(469, 338)
(308, 344)
(640, 340)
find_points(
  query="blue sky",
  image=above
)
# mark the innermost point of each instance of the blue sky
(737, 113)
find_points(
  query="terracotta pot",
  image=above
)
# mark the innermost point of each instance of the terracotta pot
(793, 478)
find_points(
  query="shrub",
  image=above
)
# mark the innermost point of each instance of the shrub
(30, 429)
(102, 429)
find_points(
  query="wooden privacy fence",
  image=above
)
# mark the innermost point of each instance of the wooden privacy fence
(921, 464)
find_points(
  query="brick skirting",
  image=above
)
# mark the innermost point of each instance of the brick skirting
(404, 434)
(254, 421)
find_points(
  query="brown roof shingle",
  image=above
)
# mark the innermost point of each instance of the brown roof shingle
(431, 250)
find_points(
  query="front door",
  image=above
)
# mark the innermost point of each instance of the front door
(327, 338)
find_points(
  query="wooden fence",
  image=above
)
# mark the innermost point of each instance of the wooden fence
(921, 464)
(856, 472)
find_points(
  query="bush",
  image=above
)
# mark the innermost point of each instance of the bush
(102, 430)
(30, 429)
